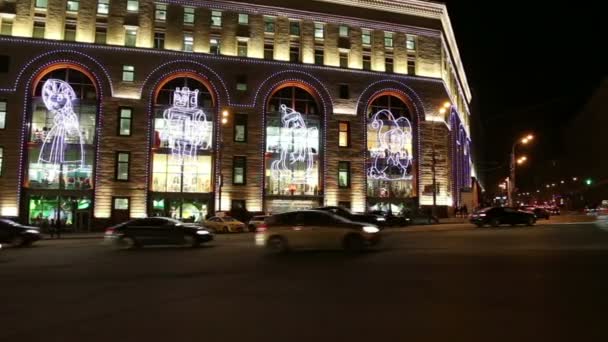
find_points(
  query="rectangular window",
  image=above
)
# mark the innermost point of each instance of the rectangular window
(388, 39)
(243, 19)
(124, 121)
(239, 168)
(130, 37)
(41, 3)
(366, 37)
(344, 91)
(240, 128)
(319, 31)
(122, 165)
(388, 65)
(100, 35)
(120, 203)
(103, 7)
(268, 51)
(1, 159)
(343, 175)
(343, 59)
(188, 15)
(343, 31)
(410, 43)
(69, 33)
(7, 27)
(216, 18)
(2, 114)
(241, 83)
(242, 48)
(411, 67)
(367, 62)
(160, 13)
(214, 46)
(294, 28)
(72, 5)
(159, 40)
(39, 29)
(132, 5)
(268, 24)
(344, 204)
(294, 54)
(128, 73)
(319, 56)
(188, 42)
(344, 134)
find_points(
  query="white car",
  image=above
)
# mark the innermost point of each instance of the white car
(255, 222)
(314, 229)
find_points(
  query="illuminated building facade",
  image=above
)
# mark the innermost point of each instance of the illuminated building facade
(326, 102)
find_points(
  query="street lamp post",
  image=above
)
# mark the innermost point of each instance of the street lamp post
(513, 164)
(219, 158)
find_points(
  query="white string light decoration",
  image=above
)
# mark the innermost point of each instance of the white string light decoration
(296, 151)
(391, 156)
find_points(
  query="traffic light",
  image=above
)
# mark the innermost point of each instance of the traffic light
(588, 181)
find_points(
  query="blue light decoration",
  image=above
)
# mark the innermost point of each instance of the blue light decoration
(391, 156)
(295, 149)
(186, 128)
(58, 96)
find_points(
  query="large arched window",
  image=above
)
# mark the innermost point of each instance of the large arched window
(390, 142)
(293, 124)
(61, 146)
(182, 162)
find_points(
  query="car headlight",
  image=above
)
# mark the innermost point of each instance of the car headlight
(380, 219)
(202, 232)
(32, 231)
(482, 215)
(370, 229)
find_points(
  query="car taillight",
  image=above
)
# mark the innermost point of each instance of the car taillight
(261, 228)
(109, 231)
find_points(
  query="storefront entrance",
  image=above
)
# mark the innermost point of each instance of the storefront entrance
(185, 209)
(73, 211)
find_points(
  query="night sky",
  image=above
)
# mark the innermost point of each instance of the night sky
(531, 68)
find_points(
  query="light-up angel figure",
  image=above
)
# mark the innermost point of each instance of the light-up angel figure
(296, 155)
(58, 96)
(391, 156)
(186, 127)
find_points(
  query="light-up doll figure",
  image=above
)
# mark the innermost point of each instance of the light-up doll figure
(296, 153)
(186, 126)
(391, 156)
(58, 97)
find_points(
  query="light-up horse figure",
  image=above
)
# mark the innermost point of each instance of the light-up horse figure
(58, 96)
(391, 157)
(295, 150)
(186, 126)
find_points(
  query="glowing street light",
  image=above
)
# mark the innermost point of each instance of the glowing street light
(513, 163)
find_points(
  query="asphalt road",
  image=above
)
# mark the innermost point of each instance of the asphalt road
(547, 283)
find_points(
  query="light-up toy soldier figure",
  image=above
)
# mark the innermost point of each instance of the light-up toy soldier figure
(186, 126)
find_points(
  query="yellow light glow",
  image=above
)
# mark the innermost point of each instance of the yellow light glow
(530, 137)
(442, 111)
(447, 105)
(225, 113)
(224, 121)
(9, 211)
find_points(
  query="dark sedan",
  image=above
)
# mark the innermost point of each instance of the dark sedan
(538, 212)
(18, 234)
(349, 215)
(156, 231)
(495, 216)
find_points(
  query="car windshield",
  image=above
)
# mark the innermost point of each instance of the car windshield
(228, 219)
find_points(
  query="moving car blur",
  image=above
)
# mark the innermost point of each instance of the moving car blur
(224, 224)
(255, 222)
(17, 234)
(496, 216)
(355, 217)
(539, 212)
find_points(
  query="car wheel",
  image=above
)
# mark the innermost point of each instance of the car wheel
(127, 242)
(531, 221)
(495, 223)
(277, 245)
(354, 243)
(191, 241)
(19, 241)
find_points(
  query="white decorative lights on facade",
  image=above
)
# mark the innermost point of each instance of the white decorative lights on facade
(391, 154)
(186, 128)
(58, 96)
(296, 153)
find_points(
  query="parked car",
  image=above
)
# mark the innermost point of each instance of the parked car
(553, 210)
(156, 231)
(225, 224)
(255, 222)
(495, 216)
(314, 229)
(17, 234)
(349, 215)
(539, 213)
(392, 220)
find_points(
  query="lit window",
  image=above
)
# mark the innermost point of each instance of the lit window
(388, 39)
(240, 128)
(188, 15)
(160, 13)
(72, 5)
(2, 114)
(103, 7)
(128, 73)
(121, 203)
(41, 3)
(216, 18)
(214, 45)
(122, 165)
(343, 31)
(411, 43)
(294, 28)
(1, 159)
(366, 37)
(6, 28)
(125, 119)
(344, 138)
(239, 166)
(344, 175)
(268, 24)
(319, 30)
(188, 42)
(243, 19)
(242, 48)
(130, 37)
(132, 5)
